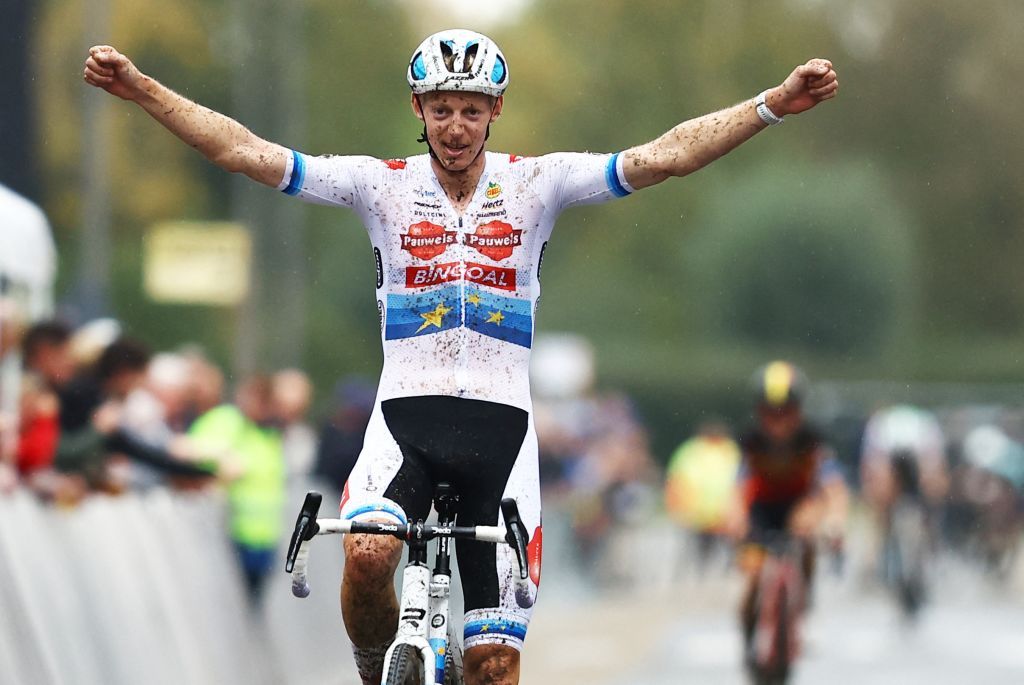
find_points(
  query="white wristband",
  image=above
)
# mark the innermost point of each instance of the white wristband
(767, 116)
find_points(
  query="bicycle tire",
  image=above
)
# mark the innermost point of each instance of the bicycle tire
(908, 557)
(406, 666)
(453, 663)
(782, 638)
(776, 669)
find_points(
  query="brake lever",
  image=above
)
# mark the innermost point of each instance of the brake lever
(306, 527)
(516, 535)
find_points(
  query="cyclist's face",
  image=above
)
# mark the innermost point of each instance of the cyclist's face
(780, 423)
(456, 124)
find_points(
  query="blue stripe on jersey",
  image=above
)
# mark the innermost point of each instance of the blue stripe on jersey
(298, 174)
(508, 305)
(504, 318)
(422, 313)
(611, 174)
(498, 627)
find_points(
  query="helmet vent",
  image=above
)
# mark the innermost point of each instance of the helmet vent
(467, 62)
(419, 68)
(499, 72)
(448, 55)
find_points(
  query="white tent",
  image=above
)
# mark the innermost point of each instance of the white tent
(28, 258)
(28, 266)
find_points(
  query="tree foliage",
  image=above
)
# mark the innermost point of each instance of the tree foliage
(880, 233)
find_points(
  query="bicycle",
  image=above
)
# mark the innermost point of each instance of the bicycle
(906, 544)
(419, 643)
(778, 605)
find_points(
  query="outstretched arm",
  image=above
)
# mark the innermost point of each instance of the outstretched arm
(222, 140)
(696, 143)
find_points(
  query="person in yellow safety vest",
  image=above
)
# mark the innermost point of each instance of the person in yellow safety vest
(700, 485)
(246, 433)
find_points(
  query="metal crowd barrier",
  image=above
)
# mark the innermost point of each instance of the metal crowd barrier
(144, 588)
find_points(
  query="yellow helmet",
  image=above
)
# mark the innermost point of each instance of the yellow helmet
(779, 384)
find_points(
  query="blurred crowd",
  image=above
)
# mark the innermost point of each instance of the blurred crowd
(93, 410)
(965, 461)
(963, 464)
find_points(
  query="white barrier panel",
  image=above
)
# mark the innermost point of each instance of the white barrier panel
(145, 589)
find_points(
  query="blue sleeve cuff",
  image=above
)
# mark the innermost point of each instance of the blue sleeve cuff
(616, 177)
(294, 174)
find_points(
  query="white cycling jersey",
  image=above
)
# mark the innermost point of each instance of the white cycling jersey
(903, 428)
(457, 292)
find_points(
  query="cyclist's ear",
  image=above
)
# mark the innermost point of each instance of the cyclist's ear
(417, 106)
(496, 108)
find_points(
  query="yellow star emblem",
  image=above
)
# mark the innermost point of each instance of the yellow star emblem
(474, 299)
(496, 318)
(487, 627)
(434, 318)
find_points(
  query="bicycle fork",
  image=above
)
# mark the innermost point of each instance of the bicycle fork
(412, 619)
(426, 594)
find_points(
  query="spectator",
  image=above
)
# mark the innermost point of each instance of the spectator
(611, 482)
(700, 486)
(92, 414)
(90, 409)
(39, 425)
(256, 497)
(11, 327)
(119, 369)
(205, 385)
(341, 438)
(156, 410)
(46, 351)
(37, 444)
(293, 393)
(11, 330)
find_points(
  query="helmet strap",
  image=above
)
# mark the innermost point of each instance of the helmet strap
(423, 139)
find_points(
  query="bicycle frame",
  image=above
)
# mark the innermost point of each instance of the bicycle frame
(780, 597)
(780, 579)
(425, 592)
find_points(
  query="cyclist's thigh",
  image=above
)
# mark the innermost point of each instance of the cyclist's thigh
(487, 451)
(494, 615)
(387, 483)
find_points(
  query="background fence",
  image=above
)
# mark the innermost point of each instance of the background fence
(144, 588)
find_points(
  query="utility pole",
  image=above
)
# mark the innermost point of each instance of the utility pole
(291, 300)
(92, 294)
(17, 167)
(268, 97)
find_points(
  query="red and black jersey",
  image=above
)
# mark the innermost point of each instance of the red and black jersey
(777, 472)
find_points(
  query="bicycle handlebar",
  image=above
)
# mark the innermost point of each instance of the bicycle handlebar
(308, 526)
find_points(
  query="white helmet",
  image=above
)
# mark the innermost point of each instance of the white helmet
(458, 59)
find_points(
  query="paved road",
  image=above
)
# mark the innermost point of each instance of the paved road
(686, 633)
(656, 631)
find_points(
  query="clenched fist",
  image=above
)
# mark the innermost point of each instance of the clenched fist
(108, 69)
(808, 85)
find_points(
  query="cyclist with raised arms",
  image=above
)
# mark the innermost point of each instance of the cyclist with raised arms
(458, 235)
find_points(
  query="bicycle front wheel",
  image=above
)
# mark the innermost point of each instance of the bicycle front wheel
(406, 666)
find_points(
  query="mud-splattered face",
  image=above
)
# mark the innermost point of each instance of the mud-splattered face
(456, 124)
